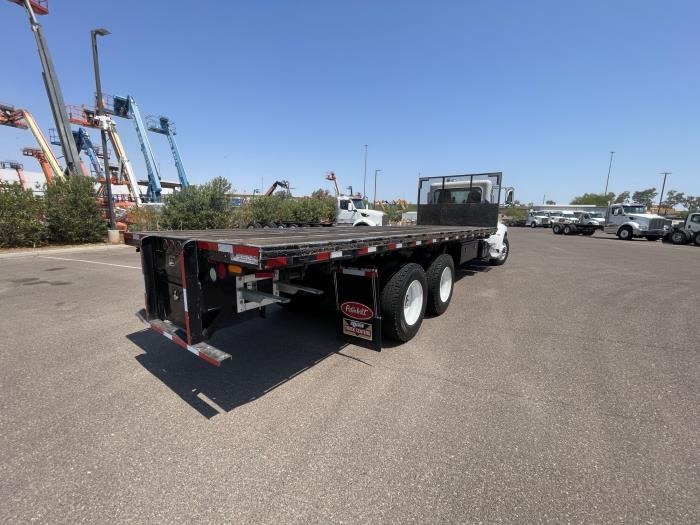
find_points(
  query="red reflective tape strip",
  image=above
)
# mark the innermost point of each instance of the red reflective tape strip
(323, 256)
(156, 329)
(184, 298)
(277, 261)
(363, 250)
(392, 246)
(208, 359)
(371, 273)
(264, 275)
(246, 250)
(211, 246)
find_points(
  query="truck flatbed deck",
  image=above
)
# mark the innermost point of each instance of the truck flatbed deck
(275, 248)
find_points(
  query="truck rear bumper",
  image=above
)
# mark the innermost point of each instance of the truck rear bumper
(210, 354)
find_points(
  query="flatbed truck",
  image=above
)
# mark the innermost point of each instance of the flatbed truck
(383, 280)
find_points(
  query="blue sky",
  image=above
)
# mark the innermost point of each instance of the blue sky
(541, 90)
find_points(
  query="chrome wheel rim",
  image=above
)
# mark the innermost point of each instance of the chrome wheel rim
(413, 303)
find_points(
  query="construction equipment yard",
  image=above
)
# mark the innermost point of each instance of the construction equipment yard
(581, 405)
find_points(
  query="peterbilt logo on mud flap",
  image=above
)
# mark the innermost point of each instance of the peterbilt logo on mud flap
(357, 310)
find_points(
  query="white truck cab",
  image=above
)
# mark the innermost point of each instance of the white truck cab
(537, 218)
(632, 220)
(591, 218)
(687, 231)
(353, 210)
(476, 191)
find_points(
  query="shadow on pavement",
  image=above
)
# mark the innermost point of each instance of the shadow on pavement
(266, 353)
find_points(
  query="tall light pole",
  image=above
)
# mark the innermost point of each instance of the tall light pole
(103, 123)
(375, 186)
(364, 180)
(609, 168)
(663, 187)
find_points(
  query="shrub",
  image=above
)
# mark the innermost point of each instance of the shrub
(21, 216)
(199, 207)
(73, 214)
(140, 218)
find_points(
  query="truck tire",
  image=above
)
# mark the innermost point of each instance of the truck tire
(696, 240)
(501, 259)
(533, 225)
(440, 276)
(403, 301)
(625, 233)
(679, 237)
(568, 230)
(556, 229)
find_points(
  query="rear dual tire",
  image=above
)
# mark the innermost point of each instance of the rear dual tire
(440, 277)
(403, 302)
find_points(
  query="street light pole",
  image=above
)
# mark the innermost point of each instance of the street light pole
(103, 132)
(663, 187)
(375, 186)
(364, 180)
(609, 168)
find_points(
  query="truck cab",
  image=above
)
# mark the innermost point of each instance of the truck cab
(354, 210)
(537, 218)
(591, 218)
(687, 231)
(628, 221)
(462, 198)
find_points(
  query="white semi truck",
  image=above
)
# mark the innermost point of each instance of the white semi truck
(627, 221)
(687, 231)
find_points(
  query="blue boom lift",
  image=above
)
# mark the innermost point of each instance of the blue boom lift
(126, 107)
(164, 126)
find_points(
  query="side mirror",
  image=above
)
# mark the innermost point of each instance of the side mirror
(510, 193)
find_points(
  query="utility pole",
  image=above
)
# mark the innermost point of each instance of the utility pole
(104, 123)
(375, 185)
(364, 180)
(53, 90)
(609, 168)
(663, 187)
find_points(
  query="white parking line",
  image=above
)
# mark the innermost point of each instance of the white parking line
(91, 262)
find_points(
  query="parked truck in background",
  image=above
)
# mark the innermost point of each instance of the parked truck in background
(383, 280)
(628, 221)
(687, 231)
(537, 218)
(354, 210)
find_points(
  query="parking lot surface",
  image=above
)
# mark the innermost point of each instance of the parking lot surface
(561, 387)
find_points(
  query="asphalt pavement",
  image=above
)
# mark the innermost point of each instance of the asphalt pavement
(561, 387)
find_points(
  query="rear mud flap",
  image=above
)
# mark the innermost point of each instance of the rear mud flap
(358, 319)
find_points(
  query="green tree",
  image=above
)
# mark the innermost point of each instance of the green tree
(673, 198)
(622, 198)
(21, 215)
(319, 193)
(692, 203)
(199, 207)
(597, 199)
(73, 214)
(645, 197)
(551, 203)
